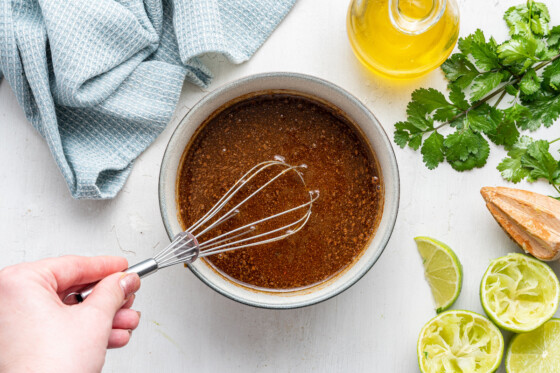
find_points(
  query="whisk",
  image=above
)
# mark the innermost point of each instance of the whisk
(189, 245)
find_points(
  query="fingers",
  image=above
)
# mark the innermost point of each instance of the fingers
(119, 338)
(126, 319)
(79, 270)
(109, 294)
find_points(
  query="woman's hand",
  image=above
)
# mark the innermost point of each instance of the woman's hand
(38, 333)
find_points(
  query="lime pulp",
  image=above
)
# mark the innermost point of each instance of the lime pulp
(459, 342)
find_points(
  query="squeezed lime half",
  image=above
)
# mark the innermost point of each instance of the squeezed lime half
(459, 342)
(519, 293)
(442, 269)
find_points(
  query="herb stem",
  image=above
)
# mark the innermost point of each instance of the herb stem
(553, 141)
(500, 98)
(544, 63)
(480, 102)
(501, 90)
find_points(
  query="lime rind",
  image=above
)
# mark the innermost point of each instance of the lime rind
(458, 342)
(442, 270)
(535, 351)
(519, 293)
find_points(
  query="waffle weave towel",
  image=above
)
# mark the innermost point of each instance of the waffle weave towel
(100, 79)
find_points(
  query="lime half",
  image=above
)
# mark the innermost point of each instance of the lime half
(536, 351)
(519, 293)
(442, 270)
(459, 342)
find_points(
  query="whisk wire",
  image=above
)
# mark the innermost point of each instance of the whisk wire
(219, 220)
(257, 222)
(186, 246)
(232, 247)
(230, 193)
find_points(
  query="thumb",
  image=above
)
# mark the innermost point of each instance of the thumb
(110, 294)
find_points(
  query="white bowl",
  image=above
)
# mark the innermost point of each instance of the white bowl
(308, 85)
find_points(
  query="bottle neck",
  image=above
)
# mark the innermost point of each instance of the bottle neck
(415, 17)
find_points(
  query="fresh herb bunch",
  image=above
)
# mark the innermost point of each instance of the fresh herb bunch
(524, 69)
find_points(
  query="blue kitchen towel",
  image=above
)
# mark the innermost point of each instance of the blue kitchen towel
(100, 79)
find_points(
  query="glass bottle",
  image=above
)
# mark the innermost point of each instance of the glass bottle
(403, 38)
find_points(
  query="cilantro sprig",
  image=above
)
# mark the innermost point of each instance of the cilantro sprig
(531, 159)
(522, 74)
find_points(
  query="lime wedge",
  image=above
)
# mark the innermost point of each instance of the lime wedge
(459, 342)
(536, 351)
(519, 293)
(442, 270)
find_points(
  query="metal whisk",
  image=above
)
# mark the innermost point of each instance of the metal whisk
(189, 245)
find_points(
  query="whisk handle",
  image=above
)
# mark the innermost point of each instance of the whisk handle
(143, 269)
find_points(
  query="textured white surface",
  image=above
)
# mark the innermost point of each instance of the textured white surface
(185, 326)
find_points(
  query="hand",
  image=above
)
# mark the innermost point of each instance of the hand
(38, 333)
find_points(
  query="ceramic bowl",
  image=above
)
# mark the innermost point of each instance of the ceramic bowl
(307, 85)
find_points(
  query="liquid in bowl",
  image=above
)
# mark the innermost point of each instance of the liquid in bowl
(303, 129)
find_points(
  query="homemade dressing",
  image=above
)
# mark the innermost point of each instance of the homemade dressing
(340, 164)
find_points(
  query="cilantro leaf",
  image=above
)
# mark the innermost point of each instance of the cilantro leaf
(457, 97)
(404, 131)
(484, 53)
(432, 150)
(481, 120)
(447, 113)
(522, 51)
(417, 116)
(532, 160)
(431, 99)
(551, 75)
(520, 147)
(539, 18)
(541, 163)
(465, 44)
(544, 109)
(511, 90)
(415, 141)
(517, 18)
(401, 138)
(517, 114)
(459, 70)
(505, 133)
(475, 160)
(530, 82)
(484, 83)
(527, 19)
(465, 150)
(512, 170)
(553, 40)
(460, 144)
(485, 56)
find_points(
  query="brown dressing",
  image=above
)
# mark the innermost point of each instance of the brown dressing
(340, 164)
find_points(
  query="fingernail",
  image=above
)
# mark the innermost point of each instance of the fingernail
(139, 314)
(128, 283)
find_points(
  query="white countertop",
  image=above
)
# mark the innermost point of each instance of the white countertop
(185, 326)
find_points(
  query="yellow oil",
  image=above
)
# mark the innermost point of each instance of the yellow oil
(386, 49)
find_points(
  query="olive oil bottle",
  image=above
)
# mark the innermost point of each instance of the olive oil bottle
(403, 38)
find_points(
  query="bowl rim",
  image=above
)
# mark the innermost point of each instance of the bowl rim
(392, 164)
